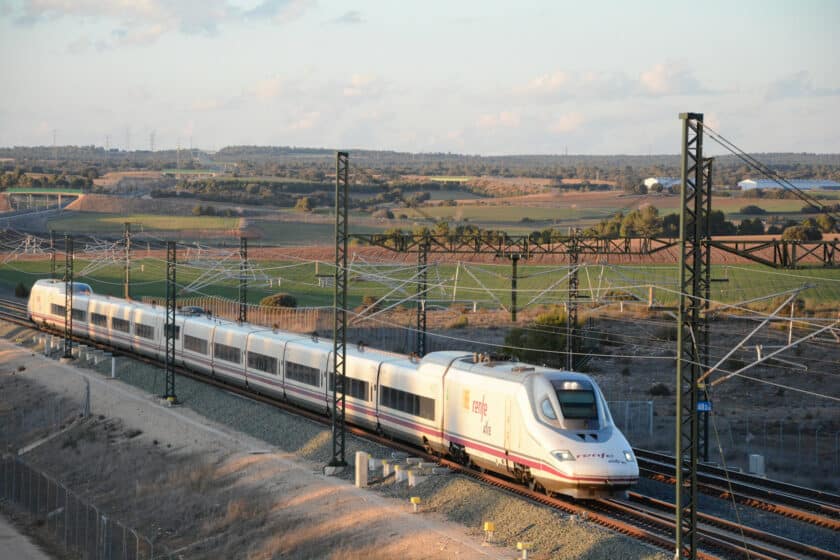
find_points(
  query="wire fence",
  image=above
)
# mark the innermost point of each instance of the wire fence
(69, 521)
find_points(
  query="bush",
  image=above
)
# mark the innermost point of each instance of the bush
(384, 213)
(462, 321)
(660, 390)
(279, 300)
(753, 210)
(370, 301)
(21, 290)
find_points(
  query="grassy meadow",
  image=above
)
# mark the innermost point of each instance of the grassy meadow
(487, 284)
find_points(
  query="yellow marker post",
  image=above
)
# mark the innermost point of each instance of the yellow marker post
(524, 547)
(415, 501)
(489, 529)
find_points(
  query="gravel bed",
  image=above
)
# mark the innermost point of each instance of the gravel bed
(752, 517)
(455, 498)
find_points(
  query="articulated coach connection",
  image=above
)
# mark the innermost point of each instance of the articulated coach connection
(547, 428)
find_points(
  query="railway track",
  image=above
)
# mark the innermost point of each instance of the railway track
(796, 502)
(641, 517)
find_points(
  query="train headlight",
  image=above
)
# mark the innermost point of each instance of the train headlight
(563, 455)
(628, 456)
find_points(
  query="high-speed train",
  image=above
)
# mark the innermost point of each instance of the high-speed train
(547, 428)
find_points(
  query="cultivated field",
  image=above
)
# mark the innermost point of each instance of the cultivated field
(90, 222)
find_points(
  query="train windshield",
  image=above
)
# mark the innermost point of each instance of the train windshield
(577, 400)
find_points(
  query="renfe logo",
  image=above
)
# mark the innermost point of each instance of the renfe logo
(480, 407)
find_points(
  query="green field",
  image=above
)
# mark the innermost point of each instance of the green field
(511, 214)
(92, 222)
(486, 284)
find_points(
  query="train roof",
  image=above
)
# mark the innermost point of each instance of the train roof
(512, 370)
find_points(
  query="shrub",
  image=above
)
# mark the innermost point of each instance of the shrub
(753, 209)
(21, 290)
(384, 213)
(660, 390)
(279, 300)
(369, 301)
(459, 322)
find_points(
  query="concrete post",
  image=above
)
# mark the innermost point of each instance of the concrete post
(362, 459)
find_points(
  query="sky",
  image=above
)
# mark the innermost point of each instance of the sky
(467, 76)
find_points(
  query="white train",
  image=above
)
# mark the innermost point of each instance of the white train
(544, 427)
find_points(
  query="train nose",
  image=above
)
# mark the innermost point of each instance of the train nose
(606, 463)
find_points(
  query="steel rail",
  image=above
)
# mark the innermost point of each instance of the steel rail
(787, 500)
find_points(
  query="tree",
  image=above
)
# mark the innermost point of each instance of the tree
(540, 345)
(751, 227)
(752, 209)
(801, 233)
(303, 204)
(279, 300)
(826, 223)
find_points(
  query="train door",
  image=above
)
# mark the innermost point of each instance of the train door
(329, 374)
(507, 443)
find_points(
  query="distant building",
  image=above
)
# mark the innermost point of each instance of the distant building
(664, 182)
(802, 184)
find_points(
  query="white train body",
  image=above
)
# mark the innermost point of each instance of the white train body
(542, 426)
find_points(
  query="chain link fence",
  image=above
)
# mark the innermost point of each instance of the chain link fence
(634, 419)
(70, 521)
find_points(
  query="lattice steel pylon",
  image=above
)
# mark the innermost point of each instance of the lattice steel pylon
(339, 370)
(514, 277)
(243, 280)
(52, 254)
(694, 199)
(68, 297)
(127, 264)
(422, 288)
(705, 290)
(169, 328)
(572, 307)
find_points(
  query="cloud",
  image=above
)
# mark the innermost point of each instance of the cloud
(268, 89)
(142, 22)
(360, 85)
(279, 11)
(797, 85)
(549, 83)
(562, 85)
(568, 122)
(669, 78)
(660, 80)
(305, 121)
(503, 119)
(351, 17)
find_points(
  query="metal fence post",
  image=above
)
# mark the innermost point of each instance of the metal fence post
(650, 418)
(817, 446)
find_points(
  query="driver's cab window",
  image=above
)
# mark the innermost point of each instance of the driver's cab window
(548, 409)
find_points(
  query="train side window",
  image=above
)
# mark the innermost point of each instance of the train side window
(59, 310)
(353, 387)
(548, 409)
(80, 315)
(410, 403)
(99, 319)
(226, 353)
(144, 331)
(120, 324)
(261, 362)
(195, 344)
(303, 374)
(168, 328)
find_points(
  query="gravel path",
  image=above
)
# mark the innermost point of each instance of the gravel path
(244, 477)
